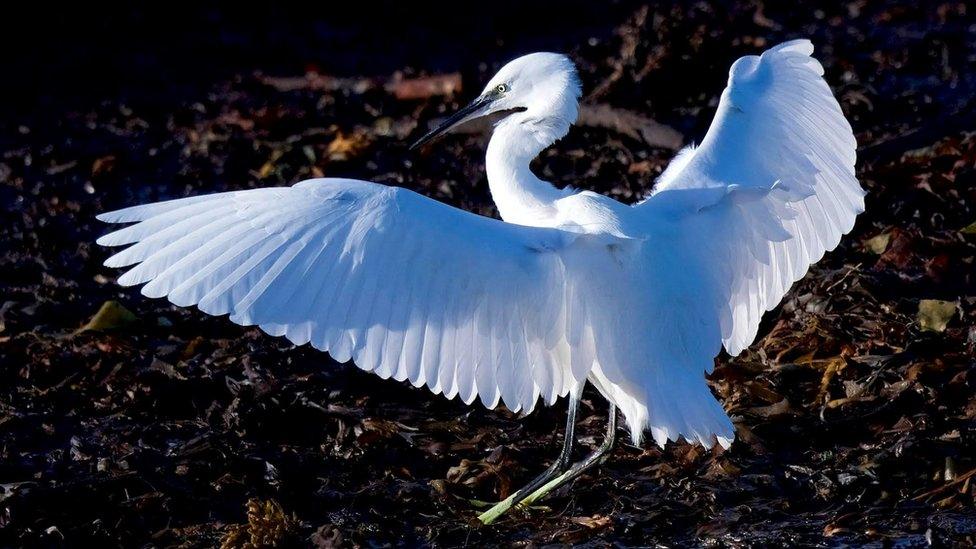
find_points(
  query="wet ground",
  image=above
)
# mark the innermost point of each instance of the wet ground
(855, 408)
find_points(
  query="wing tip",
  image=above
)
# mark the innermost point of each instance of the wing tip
(725, 441)
(663, 436)
(125, 215)
(798, 45)
(114, 262)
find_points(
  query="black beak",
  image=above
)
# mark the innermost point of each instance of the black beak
(459, 117)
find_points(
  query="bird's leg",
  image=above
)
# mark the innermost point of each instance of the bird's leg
(561, 462)
(579, 467)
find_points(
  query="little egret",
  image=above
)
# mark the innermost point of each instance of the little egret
(571, 287)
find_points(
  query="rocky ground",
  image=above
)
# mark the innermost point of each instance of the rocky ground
(153, 425)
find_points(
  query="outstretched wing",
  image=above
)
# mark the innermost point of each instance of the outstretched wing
(731, 225)
(407, 287)
(770, 189)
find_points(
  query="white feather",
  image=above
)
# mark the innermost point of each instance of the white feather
(637, 300)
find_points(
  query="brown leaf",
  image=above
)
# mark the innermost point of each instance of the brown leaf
(900, 250)
(319, 82)
(268, 167)
(721, 469)
(344, 147)
(166, 369)
(102, 165)
(267, 526)
(234, 118)
(596, 522)
(631, 124)
(327, 537)
(778, 409)
(644, 167)
(762, 391)
(937, 267)
(424, 87)
(834, 365)
(372, 430)
(832, 529)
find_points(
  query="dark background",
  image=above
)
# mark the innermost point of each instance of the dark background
(855, 425)
(59, 56)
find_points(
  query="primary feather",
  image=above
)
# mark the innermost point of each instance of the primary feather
(405, 286)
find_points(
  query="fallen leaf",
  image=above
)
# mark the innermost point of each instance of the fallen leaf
(762, 391)
(61, 168)
(319, 82)
(268, 166)
(596, 522)
(631, 124)
(166, 369)
(900, 250)
(267, 526)
(644, 167)
(778, 409)
(831, 530)
(424, 87)
(344, 147)
(102, 165)
(112, 315)
(878, 244)
(834, 365)
(934, 315)
(327, 537)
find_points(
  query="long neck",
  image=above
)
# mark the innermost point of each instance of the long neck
(520, 196)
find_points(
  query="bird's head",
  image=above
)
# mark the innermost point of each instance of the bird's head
(543, 85)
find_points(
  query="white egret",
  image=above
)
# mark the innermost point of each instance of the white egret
(571, 287)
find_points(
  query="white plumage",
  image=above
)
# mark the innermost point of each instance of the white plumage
(570, 287)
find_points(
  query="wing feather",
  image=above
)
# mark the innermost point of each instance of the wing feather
(781, 156)
(730, 226)
(407, 287)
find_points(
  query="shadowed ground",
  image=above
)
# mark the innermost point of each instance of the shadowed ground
(855, 408)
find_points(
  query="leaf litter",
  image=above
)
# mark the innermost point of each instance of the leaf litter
(855, 408)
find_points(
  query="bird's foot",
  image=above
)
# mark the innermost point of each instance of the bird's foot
(524, 496)
(551, 479)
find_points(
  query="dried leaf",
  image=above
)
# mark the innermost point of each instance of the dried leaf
(878, 244)
(267, 526)
(778, 409)
(834, 365)
(328, 537)
(424, 87)
(900, 251)
(631, 124)
(268, 167)
(102, 165)
(112, 315)
(166, 369)
(344, 147)
(934, 314)
(596, 522)
(319, 82)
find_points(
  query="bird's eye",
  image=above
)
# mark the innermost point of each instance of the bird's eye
(501, 88)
